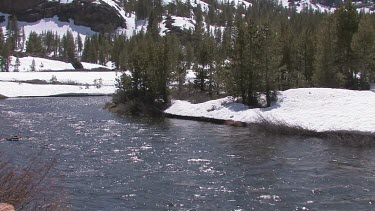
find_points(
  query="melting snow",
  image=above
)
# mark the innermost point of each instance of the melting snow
(319, 109)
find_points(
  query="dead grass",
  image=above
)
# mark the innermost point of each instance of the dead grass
(276, 126)
(28, 187)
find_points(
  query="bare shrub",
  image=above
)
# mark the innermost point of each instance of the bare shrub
(28, 187)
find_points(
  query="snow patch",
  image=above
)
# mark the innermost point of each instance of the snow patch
(319, 109)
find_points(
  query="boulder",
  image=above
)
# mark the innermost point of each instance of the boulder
(6, 207)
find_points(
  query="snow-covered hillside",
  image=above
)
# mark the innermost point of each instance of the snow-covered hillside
(50, 24)
(12, 89)
(134, 26)
(18, 84)
(42, 64)
(318, 109)
(309, 4)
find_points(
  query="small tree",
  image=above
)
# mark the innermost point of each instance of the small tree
(33, 66)
(17, 65)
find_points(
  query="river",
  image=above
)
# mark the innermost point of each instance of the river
(113, 163)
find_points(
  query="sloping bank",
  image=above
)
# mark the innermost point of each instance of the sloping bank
(316, 110)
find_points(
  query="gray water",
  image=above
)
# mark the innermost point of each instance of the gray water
(113, 163)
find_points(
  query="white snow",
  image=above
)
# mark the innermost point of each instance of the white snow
(181, 22)
(84, 82)
(319, 109)
(62, 1)
(307, 4)
(42, 64)
(108, 78)
(51, 24)
(11, 89)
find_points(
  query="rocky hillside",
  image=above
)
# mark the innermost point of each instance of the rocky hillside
(99, 16)
(109, 15)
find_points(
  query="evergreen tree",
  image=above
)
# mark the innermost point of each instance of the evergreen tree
(2, 38)
(33, 66)
(68, 46)
(79, 44)
(347, 26)
(268, 60)
(325, 71)
(5, 55)
(17, 65)
(13, 32)
(363, 46)
(34, 44)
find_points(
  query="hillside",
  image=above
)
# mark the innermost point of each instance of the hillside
(86, 17)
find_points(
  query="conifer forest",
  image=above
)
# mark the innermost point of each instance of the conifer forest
(232, 50)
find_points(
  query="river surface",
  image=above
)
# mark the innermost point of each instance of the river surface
(113, 163)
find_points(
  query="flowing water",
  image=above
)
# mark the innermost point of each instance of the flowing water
(113, 163)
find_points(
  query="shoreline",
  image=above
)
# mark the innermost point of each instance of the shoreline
(276, 129)
(2, 97)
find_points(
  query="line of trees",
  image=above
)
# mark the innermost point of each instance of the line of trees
(254, 51)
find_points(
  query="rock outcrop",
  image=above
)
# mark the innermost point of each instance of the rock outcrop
(13, 6)
(99, 17)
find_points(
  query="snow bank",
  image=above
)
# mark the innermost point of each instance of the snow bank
(42, 64)
(11, 89)
(108, 78)
(319, 109)
(11, 82)
(51, 24)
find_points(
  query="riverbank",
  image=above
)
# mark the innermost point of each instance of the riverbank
(318, 110)
(15, 89)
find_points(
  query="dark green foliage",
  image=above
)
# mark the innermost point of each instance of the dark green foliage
(150, 64)
(245, 52)
(13, 32)
(33, 66)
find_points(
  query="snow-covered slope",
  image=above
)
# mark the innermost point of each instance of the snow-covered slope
(319, 109)
(42, 64)
(11, 89)
(309, 4)
(14, 84)
(50, 24)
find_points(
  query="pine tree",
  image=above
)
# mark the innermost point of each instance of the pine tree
(347, 26)
(363, 46)
(34, 44)
(33, 66)
(79, 44)
(17, 65)
(2, 38)
(13, 32)
(153, 25)
(268, 59)
(5, 55)
(325, 71)
(68, 46)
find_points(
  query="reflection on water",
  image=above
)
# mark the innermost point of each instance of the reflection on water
(112, 163)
